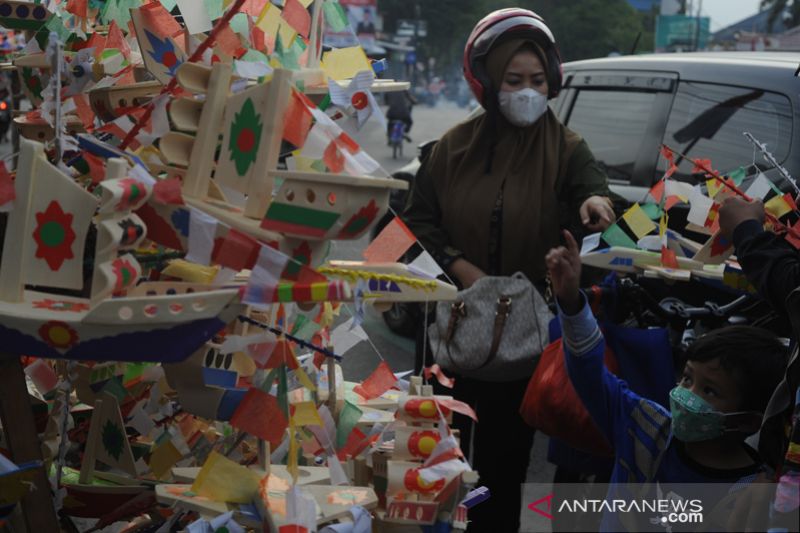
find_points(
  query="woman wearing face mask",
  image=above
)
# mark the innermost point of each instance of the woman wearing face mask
(491, 199)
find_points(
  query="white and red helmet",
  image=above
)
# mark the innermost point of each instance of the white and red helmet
(502, 24)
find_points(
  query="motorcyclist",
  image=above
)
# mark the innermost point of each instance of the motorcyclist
(400, 104)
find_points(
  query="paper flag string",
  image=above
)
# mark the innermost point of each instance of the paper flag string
(638, 221)
(223, 480)
(390, 244)
(259, 414)
(348, 419)
(381, 380)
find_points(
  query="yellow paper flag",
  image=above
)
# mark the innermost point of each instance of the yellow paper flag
(344, 63)
(222, 480)
(291, 462)
(269, 19)
(638, 221)
(713, 185)
(305, 414)
(778, 206)
(163, 458)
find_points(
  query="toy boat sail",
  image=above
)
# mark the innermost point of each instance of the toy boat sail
(44, 246)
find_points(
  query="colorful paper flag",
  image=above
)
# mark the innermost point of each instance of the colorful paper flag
(164, 458)
(390, 244)
(348, 419)
(236, 250)
(760, 187)
(335, 16)
(638, 221)
(344, 63)
(196, 18)
(297, 17)
(113, 448)
(616, 236)
(700, 205)
(305, 414)
(779, 205)
(223, 480)
(259, 414)
(297, 120)
(381, 380)
(265, 277)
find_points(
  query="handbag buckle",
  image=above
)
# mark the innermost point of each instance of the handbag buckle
(504, 305)
(458, 308)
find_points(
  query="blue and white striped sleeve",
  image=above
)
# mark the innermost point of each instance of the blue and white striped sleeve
(580, 331)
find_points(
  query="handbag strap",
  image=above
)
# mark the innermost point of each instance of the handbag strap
(457, 310)
(500, 317)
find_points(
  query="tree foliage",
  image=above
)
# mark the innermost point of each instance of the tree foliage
(583, 28)
(777, 8)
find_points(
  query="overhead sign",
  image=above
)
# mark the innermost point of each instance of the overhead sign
(681, 31)
(405, 28)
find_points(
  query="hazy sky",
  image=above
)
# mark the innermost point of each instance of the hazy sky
(726, 12)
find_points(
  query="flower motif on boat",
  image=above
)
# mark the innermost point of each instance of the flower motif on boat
(54, 236)
(359, 221)
(125, 273)
(58, 335)
(132, 194)
(61, 305)
(245, 137)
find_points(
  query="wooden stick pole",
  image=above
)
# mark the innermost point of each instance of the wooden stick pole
(316, 32)
(23, 443)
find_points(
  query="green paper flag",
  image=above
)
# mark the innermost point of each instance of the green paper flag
(738, 175)
(335, 15)
(169, 5)
(616, 236)
(214, 8)
(653, 211)
(240, 23)
(348, 419)
(115, 389)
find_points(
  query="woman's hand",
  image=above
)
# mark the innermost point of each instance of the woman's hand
(466, 272)
(564, 265)
(597, 213)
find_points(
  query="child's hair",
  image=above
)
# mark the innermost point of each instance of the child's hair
(754, 357)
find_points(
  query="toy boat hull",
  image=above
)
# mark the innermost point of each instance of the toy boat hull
(164, 328)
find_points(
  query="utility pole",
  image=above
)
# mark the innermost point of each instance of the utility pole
(697, 26)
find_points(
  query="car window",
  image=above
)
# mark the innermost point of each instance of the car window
(614, 124)
(707, 122)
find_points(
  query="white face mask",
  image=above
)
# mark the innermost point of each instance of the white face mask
(524, 107)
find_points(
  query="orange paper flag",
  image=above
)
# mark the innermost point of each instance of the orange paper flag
(297, 17)
(296, 121)
(7, 191)
(79, 8)
(390, 244)
(117, 40)
(259, 414)
(158, 19)
(381, 380)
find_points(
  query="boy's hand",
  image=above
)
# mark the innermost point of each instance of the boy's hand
(564, 265)
(736, 210)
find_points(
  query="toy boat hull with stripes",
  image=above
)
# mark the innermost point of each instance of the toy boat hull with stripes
(145, 328)
(44, 247)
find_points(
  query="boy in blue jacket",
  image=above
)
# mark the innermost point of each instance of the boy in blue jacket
(727, 380)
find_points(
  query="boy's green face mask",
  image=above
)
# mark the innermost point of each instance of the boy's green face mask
(695, 420)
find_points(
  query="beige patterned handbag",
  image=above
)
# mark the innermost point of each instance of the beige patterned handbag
(494, 331)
